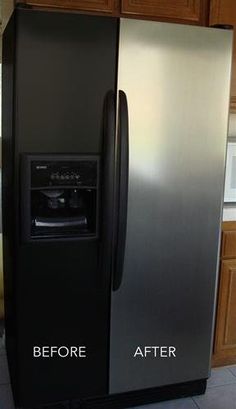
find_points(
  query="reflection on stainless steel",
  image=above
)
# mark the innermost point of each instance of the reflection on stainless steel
(177, 81)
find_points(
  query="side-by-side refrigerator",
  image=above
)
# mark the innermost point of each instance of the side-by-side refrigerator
(114, 140)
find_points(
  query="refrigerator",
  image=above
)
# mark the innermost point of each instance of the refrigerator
(114, 140)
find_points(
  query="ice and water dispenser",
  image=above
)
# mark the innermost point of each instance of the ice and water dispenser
(59, 196)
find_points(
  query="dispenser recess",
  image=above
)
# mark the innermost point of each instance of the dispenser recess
(59, 196)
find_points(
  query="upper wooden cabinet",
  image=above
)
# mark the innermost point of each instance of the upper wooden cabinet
(190, 11)
(101, 6)
(224, 12)
(180, 11)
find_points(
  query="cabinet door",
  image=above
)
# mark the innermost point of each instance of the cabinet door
(105, 6)
(191, 11)
(225, 342)
(228, 248)
(224, 12)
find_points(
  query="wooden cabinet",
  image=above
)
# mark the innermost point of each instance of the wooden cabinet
(191, 11)
(102, 6)
(225, 335)
(182, 11)
(224, 12)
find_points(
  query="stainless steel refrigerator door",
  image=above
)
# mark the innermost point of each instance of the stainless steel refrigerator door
(177, 82)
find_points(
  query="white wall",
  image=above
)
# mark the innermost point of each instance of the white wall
(229, 211)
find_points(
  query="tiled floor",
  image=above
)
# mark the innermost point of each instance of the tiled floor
(220, 393)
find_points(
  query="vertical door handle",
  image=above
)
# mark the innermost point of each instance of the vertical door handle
(107, 186)
(121, 190)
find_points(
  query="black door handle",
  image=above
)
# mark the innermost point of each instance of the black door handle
(107, 187)
(121, 190)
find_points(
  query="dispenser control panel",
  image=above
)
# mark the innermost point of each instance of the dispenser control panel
(62, 173)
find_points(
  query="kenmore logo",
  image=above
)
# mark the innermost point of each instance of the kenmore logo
(41, 167)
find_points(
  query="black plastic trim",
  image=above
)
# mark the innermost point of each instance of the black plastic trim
(146, 396)
(223, 26)
(134, 398)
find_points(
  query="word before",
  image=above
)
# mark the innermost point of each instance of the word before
(155, 351)
(61, 351)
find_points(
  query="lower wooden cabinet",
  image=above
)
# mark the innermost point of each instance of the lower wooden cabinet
(225, 333)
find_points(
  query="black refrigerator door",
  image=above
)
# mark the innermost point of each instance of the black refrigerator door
(64, 71)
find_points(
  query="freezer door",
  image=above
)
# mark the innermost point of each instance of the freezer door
(177, 81)
(59, 83)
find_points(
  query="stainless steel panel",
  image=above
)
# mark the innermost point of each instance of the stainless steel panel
(177, 81)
